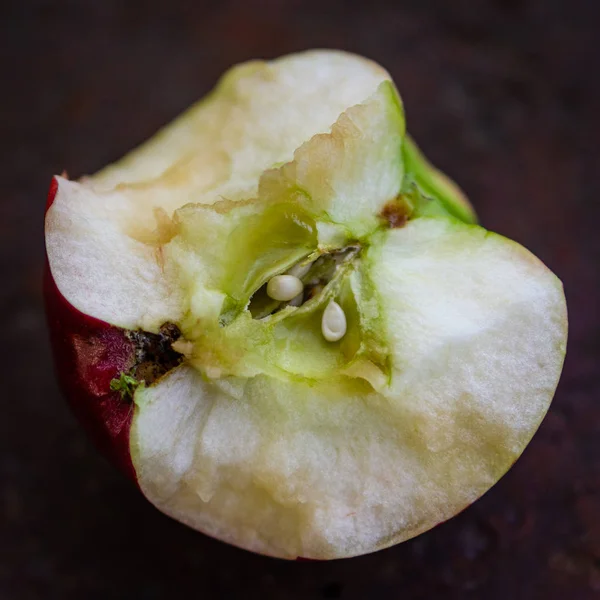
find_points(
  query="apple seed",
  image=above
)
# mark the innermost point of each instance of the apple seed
(333, 323)
(284, 287)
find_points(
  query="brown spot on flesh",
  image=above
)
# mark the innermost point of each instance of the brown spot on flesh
(395, 214)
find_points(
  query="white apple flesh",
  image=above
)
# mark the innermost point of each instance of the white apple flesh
(395, 370)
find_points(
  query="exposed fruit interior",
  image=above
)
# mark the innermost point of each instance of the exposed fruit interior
(270, 428)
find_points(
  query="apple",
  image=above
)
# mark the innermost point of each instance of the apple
(285, 326)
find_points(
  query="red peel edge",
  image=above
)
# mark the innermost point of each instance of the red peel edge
(88, 354)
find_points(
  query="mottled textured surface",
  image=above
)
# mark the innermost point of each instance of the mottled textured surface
(503, 94)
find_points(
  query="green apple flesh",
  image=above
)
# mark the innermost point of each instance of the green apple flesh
(265, 434)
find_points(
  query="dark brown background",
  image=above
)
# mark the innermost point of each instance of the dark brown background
(503, 94)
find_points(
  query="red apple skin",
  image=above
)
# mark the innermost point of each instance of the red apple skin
(88, 354)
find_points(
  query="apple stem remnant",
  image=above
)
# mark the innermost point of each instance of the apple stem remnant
(333, 323)
(154, 352)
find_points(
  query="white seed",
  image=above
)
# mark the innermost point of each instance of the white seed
(333, 323)
(300, 270)
(284, 287)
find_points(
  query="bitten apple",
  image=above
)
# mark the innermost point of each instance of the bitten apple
(284, 324)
